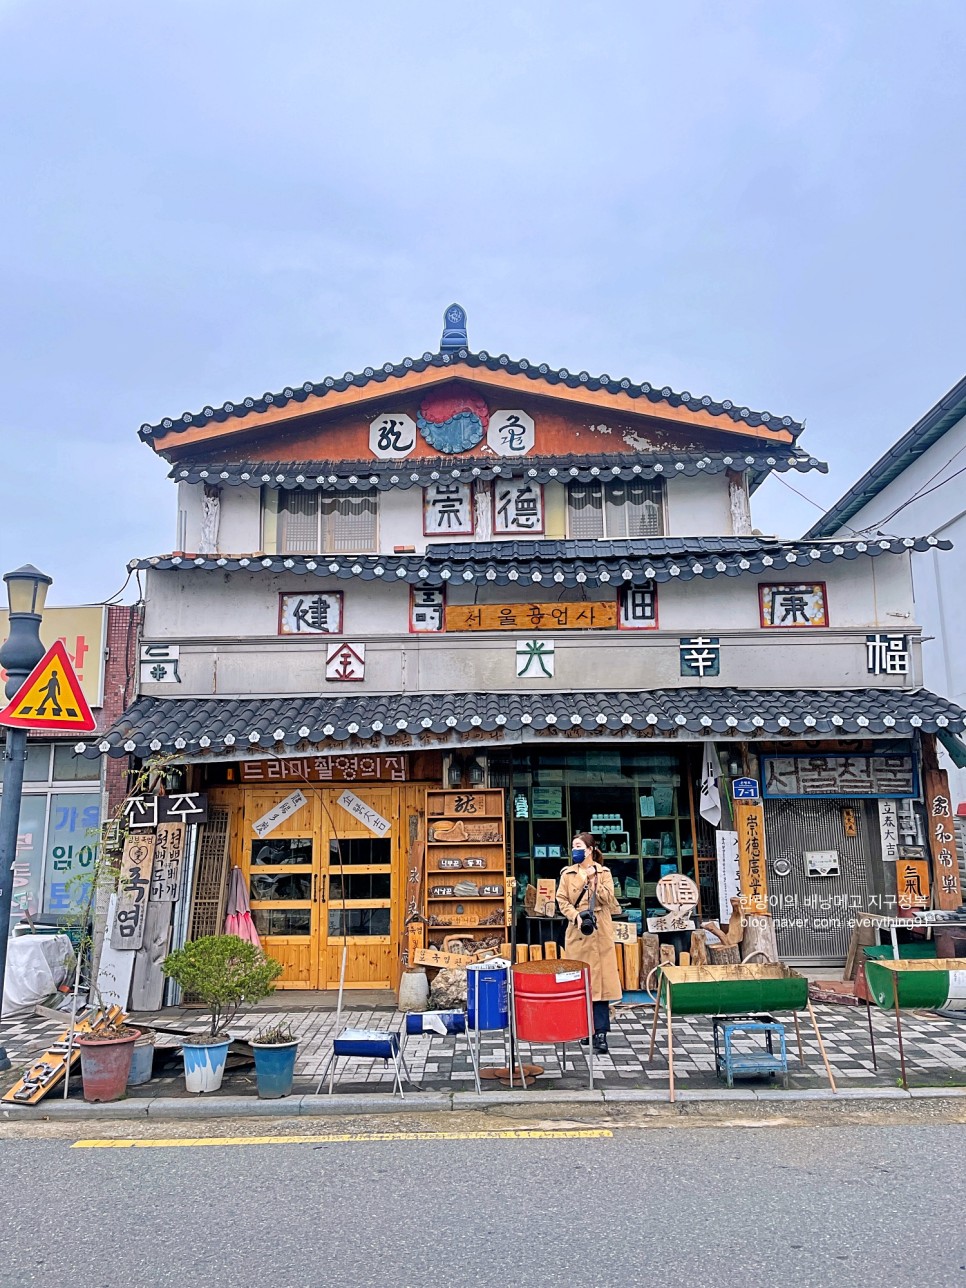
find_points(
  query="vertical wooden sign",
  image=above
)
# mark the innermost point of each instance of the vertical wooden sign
(414, 928)
(912, 883)
(166, 869)
(137, 863)
(750, 826)
(942, 839)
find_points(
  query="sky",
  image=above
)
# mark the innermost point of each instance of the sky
(206, 199)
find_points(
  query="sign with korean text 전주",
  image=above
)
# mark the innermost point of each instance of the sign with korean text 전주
(942, 839)
(750, 826)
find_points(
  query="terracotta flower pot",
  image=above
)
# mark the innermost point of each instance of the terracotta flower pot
(105, 1065)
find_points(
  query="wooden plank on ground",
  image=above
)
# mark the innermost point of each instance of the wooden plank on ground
(147, 982)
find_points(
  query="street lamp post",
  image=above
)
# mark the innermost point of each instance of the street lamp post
(26, 593)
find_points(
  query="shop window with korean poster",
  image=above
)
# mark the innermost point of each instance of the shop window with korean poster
(70, 850)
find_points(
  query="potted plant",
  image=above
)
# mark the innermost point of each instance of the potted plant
(275, 1051)
(224, 972)
(106, 1060)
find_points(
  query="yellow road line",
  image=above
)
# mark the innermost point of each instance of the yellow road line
(339, 1138)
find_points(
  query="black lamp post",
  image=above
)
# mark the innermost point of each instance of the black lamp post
(26, 593)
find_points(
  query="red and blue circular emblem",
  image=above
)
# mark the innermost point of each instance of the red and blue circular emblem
(452, 422)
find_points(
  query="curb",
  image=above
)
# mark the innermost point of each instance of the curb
(711, 1104)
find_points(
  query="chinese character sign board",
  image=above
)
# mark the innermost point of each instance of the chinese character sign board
(535, 659)
(889, 831)
(510, 433)
(517, 507)
(426, 610)
(793, 604)
(700, 655)
(912, 883)
(315, 614)
(638, 607)
(160, 663)
(942, 839)
(729, 871)
(392, 436)
(345, 662)
(448, 509)
(585, 616)
(137, 864)
(887, 654)
(365, 813)
(750, 826)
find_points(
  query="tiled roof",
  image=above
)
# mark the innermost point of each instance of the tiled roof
(948, 412)
(561, 563)
(464, 362)
(212, 725)
(343, 476)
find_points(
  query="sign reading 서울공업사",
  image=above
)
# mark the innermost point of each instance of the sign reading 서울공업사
(849, 776)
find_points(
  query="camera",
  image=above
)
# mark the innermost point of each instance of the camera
(588, 922)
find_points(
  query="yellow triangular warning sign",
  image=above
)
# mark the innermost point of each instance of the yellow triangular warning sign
(50, 697)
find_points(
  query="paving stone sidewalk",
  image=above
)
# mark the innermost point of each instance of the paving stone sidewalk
(935, 1047)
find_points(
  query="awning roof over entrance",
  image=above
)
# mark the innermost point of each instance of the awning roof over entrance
(240, 727)
(561, 563)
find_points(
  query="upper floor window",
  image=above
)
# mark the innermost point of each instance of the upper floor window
(615, 509)
(308, 523)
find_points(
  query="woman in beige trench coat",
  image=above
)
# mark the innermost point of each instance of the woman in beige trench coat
(586, 877)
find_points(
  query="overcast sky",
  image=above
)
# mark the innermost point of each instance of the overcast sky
(204, 199)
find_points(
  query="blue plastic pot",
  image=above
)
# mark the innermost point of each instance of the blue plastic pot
(204, 1064)
(275, 1068)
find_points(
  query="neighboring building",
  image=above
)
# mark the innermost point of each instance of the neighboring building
(919, 485)
(65, 796)
(464, 570)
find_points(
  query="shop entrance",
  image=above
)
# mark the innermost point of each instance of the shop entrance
(321, 880)
(823, 869)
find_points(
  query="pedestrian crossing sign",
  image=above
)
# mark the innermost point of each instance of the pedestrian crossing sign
(51, 697)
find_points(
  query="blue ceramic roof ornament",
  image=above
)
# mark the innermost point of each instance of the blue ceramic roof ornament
(454, 330)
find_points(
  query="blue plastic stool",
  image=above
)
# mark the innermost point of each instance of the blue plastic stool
(367, 1044)
(764, 1061)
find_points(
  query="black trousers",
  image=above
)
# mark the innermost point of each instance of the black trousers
(601, 1017)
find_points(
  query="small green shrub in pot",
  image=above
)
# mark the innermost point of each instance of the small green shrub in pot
(225, 973)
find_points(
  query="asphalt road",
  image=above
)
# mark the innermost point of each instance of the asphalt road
(734, 1206)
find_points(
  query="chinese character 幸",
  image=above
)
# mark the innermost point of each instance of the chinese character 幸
(700, 655)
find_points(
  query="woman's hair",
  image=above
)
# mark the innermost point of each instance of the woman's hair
(588, 840)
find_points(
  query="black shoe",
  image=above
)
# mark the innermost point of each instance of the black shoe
(584, 1041)
(600, 1043)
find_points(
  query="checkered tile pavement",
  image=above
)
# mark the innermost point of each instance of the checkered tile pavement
(935, 1048)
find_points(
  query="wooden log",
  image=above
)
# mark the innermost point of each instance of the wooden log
(536, 952)
(699, 948)
(650, 956)
(550, 951)
(667, 955)
(730, 934)
(505, 952)
(632, 966)
(521, 952)
(759, 937)
(724, 954)
(684, 959)
(619, 955)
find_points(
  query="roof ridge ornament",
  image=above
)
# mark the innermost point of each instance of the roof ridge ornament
(454, 330)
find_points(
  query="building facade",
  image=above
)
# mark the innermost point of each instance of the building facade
(466, 574)
(66, 796)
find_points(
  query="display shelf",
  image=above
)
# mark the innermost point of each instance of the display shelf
(472, 811)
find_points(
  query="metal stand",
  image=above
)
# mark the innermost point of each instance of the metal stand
(588, 1055)
(902, 1053)
(868, 1016)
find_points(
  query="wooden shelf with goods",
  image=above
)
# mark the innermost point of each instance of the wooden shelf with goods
(466, 844)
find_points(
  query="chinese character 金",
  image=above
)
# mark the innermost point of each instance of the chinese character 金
(887, 654)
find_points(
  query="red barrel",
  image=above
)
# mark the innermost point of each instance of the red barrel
(550, 1000)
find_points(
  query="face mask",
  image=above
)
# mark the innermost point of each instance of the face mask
(579, 855)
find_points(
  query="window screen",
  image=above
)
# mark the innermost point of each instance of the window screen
(615, 509)
(316, 523)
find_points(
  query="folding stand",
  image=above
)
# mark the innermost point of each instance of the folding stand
(367, 1044)
(473, 1031)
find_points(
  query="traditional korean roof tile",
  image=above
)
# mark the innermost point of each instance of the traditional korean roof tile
(929, 429)
(561, 563)
(216, 726)
(344, 476)
(463, 362)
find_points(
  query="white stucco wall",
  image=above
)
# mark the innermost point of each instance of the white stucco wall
(939, 577)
